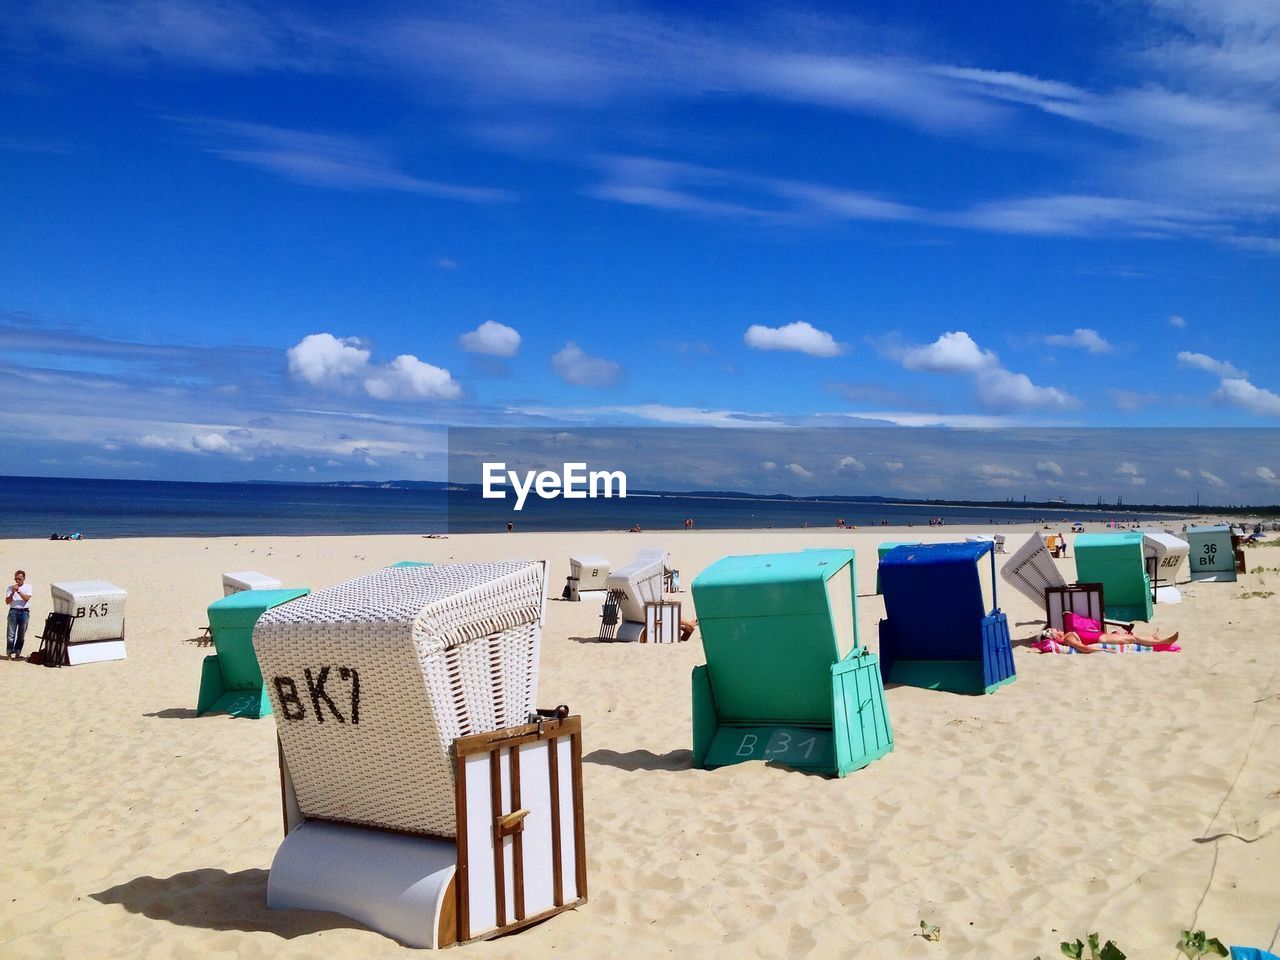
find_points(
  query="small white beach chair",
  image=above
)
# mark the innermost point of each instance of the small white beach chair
(634, 588)
(588, 578)
(243, 580)
(418, 797)
(97, 630)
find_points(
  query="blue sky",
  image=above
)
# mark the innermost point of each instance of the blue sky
(285, 241)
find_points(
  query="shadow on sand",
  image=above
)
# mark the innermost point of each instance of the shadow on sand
(642, 760)
(214, 899)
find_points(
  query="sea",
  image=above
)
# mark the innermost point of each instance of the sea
(92, 508)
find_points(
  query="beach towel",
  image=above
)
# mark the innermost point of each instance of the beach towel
(1056, 646)
(1086, 628)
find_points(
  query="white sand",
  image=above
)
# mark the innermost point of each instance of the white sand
(1135, 795)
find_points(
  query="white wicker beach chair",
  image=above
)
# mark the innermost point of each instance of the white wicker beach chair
(635, 586)
(418, 799)
(1031, 570)
(242, 580)
(97, 631)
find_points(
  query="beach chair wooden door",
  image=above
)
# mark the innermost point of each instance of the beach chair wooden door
(521, 844)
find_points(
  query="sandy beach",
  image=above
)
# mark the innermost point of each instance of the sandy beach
(1132, 795)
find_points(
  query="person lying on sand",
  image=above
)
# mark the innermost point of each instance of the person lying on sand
(1069, 638)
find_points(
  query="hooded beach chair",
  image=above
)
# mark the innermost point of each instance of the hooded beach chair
(97, 611)
(420, 798)
(881, 550)
(1211, 554)
(1165, 553)
(1116, 560)
(243, 580)
(588, 579)
(633, 590)
(943, 628)
(785, 679)
(230, 681)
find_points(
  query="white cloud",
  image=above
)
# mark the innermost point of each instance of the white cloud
(1241, 393)
(1182, 473)
(1138, 481)
(894, 465)
(997, 471)
(1213, 478)
(850, 463)
(1176, 320)
(408, 378)
(1200, 361)
(444, 263)
(1083, 337)
(1129, 469)
(493, 338)
(153, 441)
(322, 359)
(576, 367)
(212, 443)
(802, 337)
(769, 465)
(953, 352)
(1002, 388)
(1051, 467)
(1266, 474)
(799, 471)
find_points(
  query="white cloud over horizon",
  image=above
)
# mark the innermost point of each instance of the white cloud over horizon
(492, 338)
(800, 337)
(325, 361)
(1083, 337)
(577, 368)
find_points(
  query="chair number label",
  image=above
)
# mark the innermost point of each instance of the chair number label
(323, 706)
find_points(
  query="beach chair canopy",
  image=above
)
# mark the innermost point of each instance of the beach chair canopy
(936, 595)
(242, 580)
(371, 681)
(231, 622)
(1211, 553)
(636, 584)
(1031, 569)
(1117, 561)
(591, 572)
(772, 628)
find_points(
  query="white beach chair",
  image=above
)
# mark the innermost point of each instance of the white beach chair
(588, 578)
(1165, 554)
(418, 797)
(97, 632)
(1031, 571)
(243, 580)
(634, 587)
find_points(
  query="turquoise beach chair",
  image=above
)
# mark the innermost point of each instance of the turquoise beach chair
(1117, 561)
(785, 679)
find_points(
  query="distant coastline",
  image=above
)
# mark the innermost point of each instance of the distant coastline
(97, 508)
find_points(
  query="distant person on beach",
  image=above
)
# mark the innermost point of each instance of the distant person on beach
(635, 529)
(510, 526)
(17, 597)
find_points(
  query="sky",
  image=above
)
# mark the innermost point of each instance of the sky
(285, 241)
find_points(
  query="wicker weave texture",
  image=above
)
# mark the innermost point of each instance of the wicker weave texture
(435, 652)
(98, 607)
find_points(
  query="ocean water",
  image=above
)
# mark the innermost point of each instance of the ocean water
(133, 508)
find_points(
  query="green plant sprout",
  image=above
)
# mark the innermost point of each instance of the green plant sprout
(1198, 944)
(1108, 951)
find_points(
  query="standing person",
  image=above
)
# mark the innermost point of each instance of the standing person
(17, 597)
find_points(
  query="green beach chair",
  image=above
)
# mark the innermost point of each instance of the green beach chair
(1117, 561)
(230, 681)
(785, 679)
